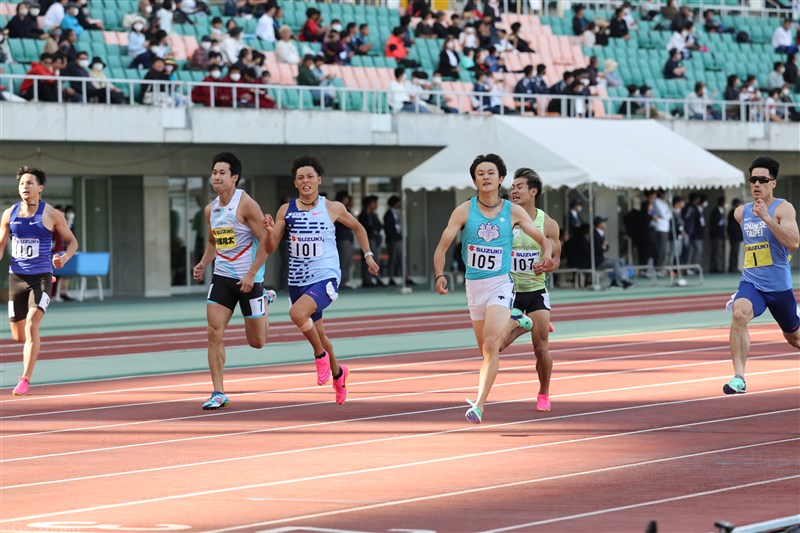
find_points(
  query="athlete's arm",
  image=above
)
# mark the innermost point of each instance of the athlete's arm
(274, 228)
(783, 225)
(209, 252)
(551, 231)
(252, 214)
(339, 213)
(523, 219)
(4, 231)
(61, 227)
(457, 221)
(737, 214)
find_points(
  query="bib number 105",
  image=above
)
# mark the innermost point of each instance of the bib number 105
(485, 258)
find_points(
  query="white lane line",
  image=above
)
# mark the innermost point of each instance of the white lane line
(425, 462)
(376, 356)
(391, 415)
(645, 504)
(382, 439)
(423, 376)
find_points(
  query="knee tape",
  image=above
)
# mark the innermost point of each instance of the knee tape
(307, 325)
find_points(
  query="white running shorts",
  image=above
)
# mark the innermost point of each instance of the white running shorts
(481, 293)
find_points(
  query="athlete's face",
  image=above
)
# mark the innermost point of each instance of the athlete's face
(487, 178)
(761, 190)
(221, 177)
(29, 188)
(307, 181)
(521, 194)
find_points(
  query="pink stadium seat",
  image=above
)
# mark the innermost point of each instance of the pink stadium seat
(7, 8)
(461, 102)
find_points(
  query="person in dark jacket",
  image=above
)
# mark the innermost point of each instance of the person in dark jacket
(716, 231)
(735, 238)
(369, 219)
(23, 25)
(392, 226)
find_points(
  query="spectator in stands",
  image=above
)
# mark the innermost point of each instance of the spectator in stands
(136, 38)
(52, 40)
(520, 44)
(200, 58)
(592, 70)
(146, 58)
(716, 232)
(46, 90)
(630, 106)
(646, 107)
(258, 63)
(245, 59)
(265, 99)
(179, 16)
(527, 86)
(467, 62)
(201, 94)
(698, 104)
(265, 30)
(55, 14)
(731, 94)
(601, 262)
(782, 39)
(231, 46)
(678, 42)
(424, 29)
(627, 15)
(145, 13)
(369, 219)
(682, 19)
(771, 110)
(70, 20)
(455, 28)
(560, 89)
(790, 72)
(669, 11)
(79, 69)
(405, 24)
(438, 100)
(588, 37)
(215, 59)
(673, 68)
(216, 28)
(307, 78)
(440, 26)
(24, 25)
(66, 45)
(449, 59)
(312, 29)
(735, 238)
(401, 98)
(5, 50)
(234, 8)
(333, 48)
(487, 34)
(790, 111)
(159, 43)
(611, 74)
(419, 8)
(100, 83)
(285, 48)
(713, 24)
(573, 217)
(362, 42)
(155, 93)
(695, 221)
(492, 61)
(775, 78)
(83, 17)
(579, 20)
(503, 44)
(750, 97)
(164, 15)
(618, 29)
(68, 94)
(396, 48)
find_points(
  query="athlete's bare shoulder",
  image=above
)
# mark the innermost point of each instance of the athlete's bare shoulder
(785, 209)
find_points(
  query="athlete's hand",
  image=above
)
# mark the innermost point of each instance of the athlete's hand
(198, 271)
(538, 268)
(546, 264)
(441, 285)
(59, 260)
(246, 283)
(373, 266)
(760, 209)
(268, 222)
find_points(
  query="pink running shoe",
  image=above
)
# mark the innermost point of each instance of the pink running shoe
(323, 369)
(340, 385)
(22, 387)
(543, 403)
(550, 328)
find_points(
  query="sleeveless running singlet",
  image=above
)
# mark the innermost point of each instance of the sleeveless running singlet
(313, 255)
(486, 243)
(30, 243)
(766, 260)
(236, 246)
(525, 252)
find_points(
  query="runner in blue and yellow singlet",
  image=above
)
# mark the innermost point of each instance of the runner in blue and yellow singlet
(31, 224)
(486, 224)
(532, 301)
(769, 228)
(314, 271)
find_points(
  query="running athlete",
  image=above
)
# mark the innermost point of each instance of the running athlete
(314, 262)
(769, 228)
(31, 224)
(532, 301)
(234, 233)
(486, 223)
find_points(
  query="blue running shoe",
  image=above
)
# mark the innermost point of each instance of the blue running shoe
(474, 413)
(218, 400)
(270, 295)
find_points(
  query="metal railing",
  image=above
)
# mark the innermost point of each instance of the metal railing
(242, 95)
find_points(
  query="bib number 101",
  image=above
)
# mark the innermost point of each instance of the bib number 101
(306, 249)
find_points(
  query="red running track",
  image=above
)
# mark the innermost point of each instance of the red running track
(639, 431)
(161, 340)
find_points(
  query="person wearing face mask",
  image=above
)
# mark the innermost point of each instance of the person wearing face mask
(83, 17)
(70, 20)
(79, 69)
(775, 78)
(232, 46)
(436, 99)
(698, 104)
(449, 60)
(200, 57)
(164, 15)
(791, 111)
(145, 13)
(23, 25)
(55, 14)
(201, 94)
(145, 59)
(136, 39)
(104, 91)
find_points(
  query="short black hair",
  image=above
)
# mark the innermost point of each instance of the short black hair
(393, 200)
(41, 177)
(341, 195)
(495, 159)
(233, 162)
(770, 164)
(307, 161)
(532, 178)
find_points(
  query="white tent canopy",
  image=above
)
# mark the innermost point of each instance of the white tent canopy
(639, 154)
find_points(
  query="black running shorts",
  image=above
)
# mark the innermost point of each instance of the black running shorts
(225, 291)
(26, 291)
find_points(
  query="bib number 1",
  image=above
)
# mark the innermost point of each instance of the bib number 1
(757, 255)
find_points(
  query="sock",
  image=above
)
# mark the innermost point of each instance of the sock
(739, 376)
(320, 356)
(337, 376)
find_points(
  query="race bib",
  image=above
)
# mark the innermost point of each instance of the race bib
(757, 255)
(485, 257)
(224, 238)
(24, 248)
(523, 260)
(306, 246)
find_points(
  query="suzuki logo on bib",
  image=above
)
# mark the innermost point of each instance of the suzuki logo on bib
(488, 232)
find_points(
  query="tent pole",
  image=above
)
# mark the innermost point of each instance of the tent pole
(595, 284)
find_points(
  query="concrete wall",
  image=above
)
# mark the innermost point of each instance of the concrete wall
(155, 236)
(128, 244)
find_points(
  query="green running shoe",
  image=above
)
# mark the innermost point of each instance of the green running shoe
(735, 386)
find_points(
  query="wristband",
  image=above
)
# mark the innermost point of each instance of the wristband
(439, 276)
(368, 254)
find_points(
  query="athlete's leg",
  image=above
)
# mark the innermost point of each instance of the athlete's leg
(739, 336)
(300, 313)
(512, 332)
(793, 338)
(490, 340)
(32, 341)
(218, 318)
(256, 329)
(541, 338)
(18, 330)
(327, 346)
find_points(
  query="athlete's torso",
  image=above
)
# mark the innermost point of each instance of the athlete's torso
(486, 243)
(235, 243)
(525, 252)
(313, 255)
(766, 260)
(30, 242)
